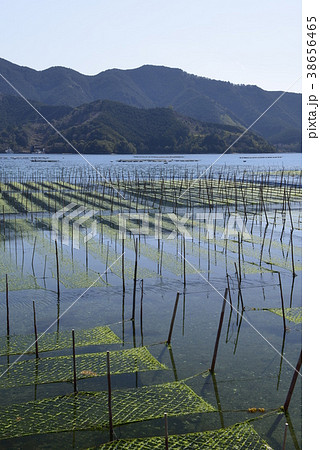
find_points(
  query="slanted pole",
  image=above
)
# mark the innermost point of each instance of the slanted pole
(173, 318)
(293, 382)
(219, 331)
(282, 304)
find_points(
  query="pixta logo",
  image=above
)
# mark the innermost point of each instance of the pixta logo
(169, 225)
(66, 224)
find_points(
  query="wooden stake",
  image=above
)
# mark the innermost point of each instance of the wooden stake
(184, 262)
(74, 364)
(273, 225)
(166, 431)
(33, 252)
(87, 265)
(35, 329)
(229, 291)
(7, 305)
(173, 318)
(219, 331)
(109, 397)
(282, 304)
(45, 266)
(107, 262)
(135, 280)
(161, 258)
(141, 311)
(293, 383)
(122, 264)
(239, 260)
(292, 255)
(239, 287)
(57, 262)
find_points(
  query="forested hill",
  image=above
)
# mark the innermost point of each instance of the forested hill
(104, 126)
(156, 86)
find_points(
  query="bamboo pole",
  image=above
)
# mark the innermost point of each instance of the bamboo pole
(33, 252)
(57, 263)
(282, 304)
(219, 331)
(35, 329)
(7, 305)
(109, 397)
(135, 280)
(184, 262)
(107, 262)
(281, 358)
(87, 260)
(293, 383)
(161, 258)
(45, 266)
(239, 260)
(229, 291)
(74, 364)
(292, 254)
(122, 266)
(273, 225)
(173, 318)
(141, 312)
(239, 287)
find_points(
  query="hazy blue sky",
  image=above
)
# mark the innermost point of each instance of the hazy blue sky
(247, 41)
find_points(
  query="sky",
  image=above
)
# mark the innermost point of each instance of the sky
(245, 42)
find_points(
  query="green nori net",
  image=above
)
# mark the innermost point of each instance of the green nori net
(89, 410)
(292, 314)
(240, 436)
(15, 345)
(60, 368)
(17, 278)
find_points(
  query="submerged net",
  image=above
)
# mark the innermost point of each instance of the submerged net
(240, 436)
(292, 314)
(15, 345)
(60, 368)
(18, 278)
(89, 410)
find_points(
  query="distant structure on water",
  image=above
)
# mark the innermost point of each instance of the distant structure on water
(37, 150)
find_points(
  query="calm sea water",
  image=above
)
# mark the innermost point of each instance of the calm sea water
(254, 365)
(57, 164)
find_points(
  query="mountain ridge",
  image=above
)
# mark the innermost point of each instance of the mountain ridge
(104, 126)
(151, 86)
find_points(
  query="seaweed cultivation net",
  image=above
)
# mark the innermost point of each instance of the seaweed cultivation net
(17, 278)
(239, 436)
(292, 314)
(89, 410)
(73, 274)
(60, 368)
(15, 345)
